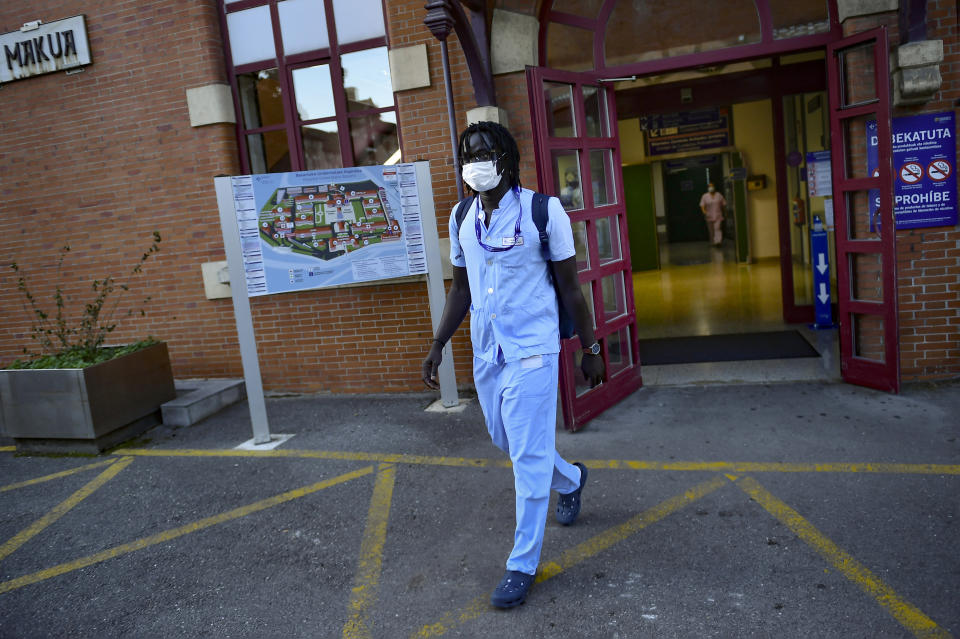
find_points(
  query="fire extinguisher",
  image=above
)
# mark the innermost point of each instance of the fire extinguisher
(799, 211)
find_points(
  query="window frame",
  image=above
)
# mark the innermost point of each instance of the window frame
(285, 65)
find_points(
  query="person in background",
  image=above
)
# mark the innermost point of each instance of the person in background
(501, 276)
(712, 205)
(570, 195)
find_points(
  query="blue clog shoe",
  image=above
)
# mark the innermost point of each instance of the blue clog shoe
(568, 506)
(512, 590)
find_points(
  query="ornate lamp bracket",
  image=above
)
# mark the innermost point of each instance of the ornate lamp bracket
(446, 16)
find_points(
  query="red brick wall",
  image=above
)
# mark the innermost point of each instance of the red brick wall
(928, 259)
(102, 158)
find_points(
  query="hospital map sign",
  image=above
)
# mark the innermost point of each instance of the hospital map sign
(924, 162)
(316, 229)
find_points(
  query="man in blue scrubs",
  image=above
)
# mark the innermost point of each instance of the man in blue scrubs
(500, 276)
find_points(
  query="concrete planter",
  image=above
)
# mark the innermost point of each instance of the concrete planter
(86, 409)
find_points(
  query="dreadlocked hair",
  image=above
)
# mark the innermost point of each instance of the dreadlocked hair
(502, 142)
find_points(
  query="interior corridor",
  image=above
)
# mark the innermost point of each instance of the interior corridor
(701, 290)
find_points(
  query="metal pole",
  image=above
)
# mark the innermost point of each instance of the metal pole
(241, 310)
(435, 290)
(451, 116)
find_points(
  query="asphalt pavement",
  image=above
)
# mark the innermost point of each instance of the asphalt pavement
(781, 510)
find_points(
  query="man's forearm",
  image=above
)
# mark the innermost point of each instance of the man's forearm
(572, 298)
(580, 312)
(454, 310)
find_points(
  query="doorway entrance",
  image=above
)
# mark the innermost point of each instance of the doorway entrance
(749, 128)
(766, 64)
(684, 183)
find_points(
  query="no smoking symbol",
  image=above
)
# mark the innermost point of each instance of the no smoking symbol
(911, 172)
(939, 170)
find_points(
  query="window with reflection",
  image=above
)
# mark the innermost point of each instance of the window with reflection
(318, 95)
(374, 139)
(569, 48)
(640, 30)
(792, 19)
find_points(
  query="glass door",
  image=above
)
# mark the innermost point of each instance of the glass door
(578, 161)
(863, 210)
(806, 131)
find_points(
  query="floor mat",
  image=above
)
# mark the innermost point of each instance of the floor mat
(725, 348)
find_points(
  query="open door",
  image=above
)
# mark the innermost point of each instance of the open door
(578, 160)
(863, 209)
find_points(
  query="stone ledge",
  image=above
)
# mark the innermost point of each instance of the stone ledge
(197, 399)
(922, 53)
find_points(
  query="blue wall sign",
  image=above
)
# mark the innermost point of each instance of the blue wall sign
(819, 250)
(924, 161)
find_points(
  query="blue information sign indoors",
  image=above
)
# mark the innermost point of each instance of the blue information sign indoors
(819, 251)
(687, 131)
(924, 161)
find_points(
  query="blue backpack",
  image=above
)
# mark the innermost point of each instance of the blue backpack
(540, 217)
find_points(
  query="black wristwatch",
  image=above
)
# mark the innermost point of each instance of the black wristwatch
(593, 349)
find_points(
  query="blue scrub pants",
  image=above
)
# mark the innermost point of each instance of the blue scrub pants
(519, 402)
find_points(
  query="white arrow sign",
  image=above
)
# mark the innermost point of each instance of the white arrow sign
(822, 265)
(824, 295)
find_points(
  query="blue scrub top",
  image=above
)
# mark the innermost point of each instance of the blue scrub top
(513, 303)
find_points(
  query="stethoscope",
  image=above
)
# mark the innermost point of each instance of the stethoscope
(516, 229)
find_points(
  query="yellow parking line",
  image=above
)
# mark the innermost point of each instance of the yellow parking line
(606, 464)
(383, 458)
(173, 533)
(63, 473)
(579, 553)
(62, 508)
(778, 467)
(365, 582)
(7, 449)
(909, 616)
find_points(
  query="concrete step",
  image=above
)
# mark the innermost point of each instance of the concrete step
(197, 399)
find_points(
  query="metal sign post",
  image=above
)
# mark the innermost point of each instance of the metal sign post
(254, 209)
(241, 310)
(435, 289)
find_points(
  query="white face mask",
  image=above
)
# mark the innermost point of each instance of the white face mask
(481, 176)
(711, 189)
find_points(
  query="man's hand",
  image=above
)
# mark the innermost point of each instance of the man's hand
(592, 368)
(430, 366)
(454, 310)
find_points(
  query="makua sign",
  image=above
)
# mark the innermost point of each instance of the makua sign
(39, 48)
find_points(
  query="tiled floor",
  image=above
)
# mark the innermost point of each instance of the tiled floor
(701, 290)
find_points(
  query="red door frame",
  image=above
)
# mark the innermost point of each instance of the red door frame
(883, 375)
(577, 411)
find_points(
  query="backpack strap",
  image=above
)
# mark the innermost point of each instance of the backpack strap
(462, 209)
(540, 218)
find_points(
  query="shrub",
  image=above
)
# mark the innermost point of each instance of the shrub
(66, 345)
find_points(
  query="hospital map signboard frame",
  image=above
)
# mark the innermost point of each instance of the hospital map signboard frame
(304, 230)
(315, 229)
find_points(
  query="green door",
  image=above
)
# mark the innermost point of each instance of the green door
(641, 217)
(684, 182)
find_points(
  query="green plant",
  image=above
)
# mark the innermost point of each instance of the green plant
(66, 345)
